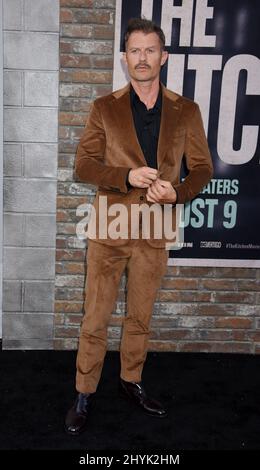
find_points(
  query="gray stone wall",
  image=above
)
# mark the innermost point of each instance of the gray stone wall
(31, 64)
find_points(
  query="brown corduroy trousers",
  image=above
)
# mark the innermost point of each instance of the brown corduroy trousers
(145, 268)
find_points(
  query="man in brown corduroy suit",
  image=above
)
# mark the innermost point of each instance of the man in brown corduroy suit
(132, 149)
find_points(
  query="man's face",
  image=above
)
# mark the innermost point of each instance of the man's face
(144, 56)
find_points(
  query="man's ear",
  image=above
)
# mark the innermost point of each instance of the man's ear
(164, 57)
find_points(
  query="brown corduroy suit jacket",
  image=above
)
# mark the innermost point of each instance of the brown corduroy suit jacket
(109, 147)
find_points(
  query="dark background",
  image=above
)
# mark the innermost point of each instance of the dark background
(247, 225)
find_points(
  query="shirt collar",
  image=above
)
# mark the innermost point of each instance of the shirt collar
(135, 98)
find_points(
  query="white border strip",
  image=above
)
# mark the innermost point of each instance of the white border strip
(230, 263)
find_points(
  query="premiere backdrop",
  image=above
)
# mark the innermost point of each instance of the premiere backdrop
(213, 59)
(199, 309)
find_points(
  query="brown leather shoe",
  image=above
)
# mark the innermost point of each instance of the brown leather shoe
(136, 392)
(76, 419)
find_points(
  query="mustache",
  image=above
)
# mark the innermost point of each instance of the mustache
(142, 65)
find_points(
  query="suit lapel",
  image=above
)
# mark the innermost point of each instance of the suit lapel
(125, 125)
(122, 113)
(171, 111)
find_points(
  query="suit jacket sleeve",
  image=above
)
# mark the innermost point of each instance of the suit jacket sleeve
(90, 163)
(198, 159)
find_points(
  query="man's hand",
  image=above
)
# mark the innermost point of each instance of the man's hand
(162, 192)
(142, 177)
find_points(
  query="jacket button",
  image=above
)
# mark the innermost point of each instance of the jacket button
(141, 198)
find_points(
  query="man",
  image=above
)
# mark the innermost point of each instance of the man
(132, 149)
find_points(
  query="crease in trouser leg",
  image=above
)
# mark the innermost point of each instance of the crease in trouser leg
(133, 349)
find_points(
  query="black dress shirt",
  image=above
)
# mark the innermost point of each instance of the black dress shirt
(147, 125)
